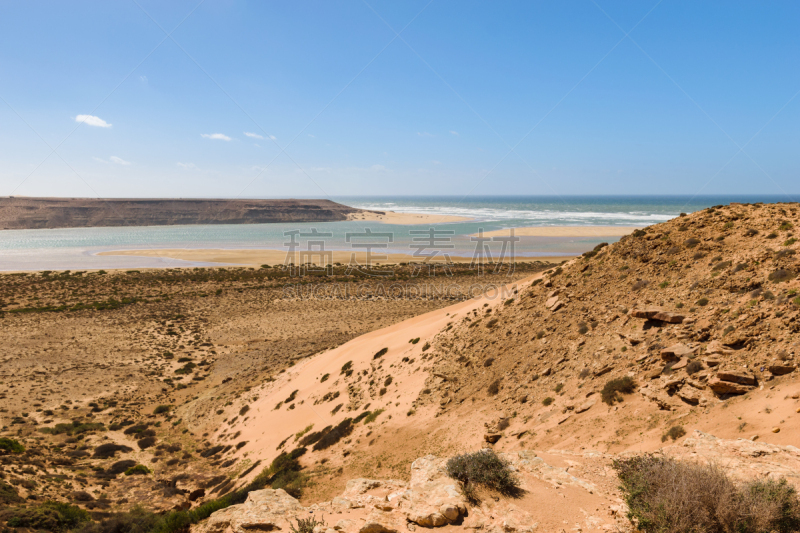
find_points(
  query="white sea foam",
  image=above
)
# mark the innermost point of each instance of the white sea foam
(537, 217)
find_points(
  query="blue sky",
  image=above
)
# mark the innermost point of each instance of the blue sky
(471, 98)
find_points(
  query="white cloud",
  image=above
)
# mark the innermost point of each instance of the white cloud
(424, 134)
(215, 136)
(91, 120)
(454, 133)
(189, 166)
(273, 138)
(312, 136)
(253, 135)
(119, 160)
(113, 159)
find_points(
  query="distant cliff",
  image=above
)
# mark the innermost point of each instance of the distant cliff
(38, 213)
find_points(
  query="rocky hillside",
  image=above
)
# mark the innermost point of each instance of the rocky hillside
(690, 325)
(39, 213)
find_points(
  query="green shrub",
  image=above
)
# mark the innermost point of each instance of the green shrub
(307, 525)
(161, 409)
(244, 409)
(347, 368)
(75, 428)
(380, 353)
(494, 387)
(612, 389)
(667, 496)
(547, 401)
(49, 516)
(414, 341)
(483, 468)
(674, 433)
(11, 445)
(781, 275)
(702, 302)
(136, 470)
(324, 378)
(344, 429)
(8, 493)
(371, 417)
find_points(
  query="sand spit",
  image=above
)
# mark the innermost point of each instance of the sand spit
(36, 213)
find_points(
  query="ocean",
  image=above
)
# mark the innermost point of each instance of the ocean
(76, 249)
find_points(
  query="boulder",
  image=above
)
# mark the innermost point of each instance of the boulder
(727, 387)
(669, 317)
(780, 370)
(676, 351)
(717, 348)
(681, 364)
(551, 301)
(689, 395)
(264, 510)
(737, 376)
(491, 438)
(646, 312)
(585, 406)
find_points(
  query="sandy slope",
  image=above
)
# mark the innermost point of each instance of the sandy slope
(268, 427)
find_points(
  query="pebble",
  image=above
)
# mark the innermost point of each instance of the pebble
(776, 430)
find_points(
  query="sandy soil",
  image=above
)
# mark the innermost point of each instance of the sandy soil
(277, 257)
(390, 217)
(565, 231)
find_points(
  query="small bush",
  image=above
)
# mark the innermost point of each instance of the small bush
(702, 301)
(49, 516)
(311, 438)
(137, 470)
(344, 429)
(612, 389)
(380, 353)
(486, 469)
(674, 433)
(694, 366)
(691, 242)
(583, 328)
(494, 387)
(146, 442)
(347, 367)
(8, 494)
(488, 362)
(641, 284)
(781, 275)
(307, 525)
(371, 417)
(667, 496)
(11, 445)
(161, 409)
(414, 341)
(547, 401)
(324, 378)
(110, 449)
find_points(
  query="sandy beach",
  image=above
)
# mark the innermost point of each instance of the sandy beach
(390, 217)
(278, 257)
(565, 231)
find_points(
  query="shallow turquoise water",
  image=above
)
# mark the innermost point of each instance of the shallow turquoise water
(76, 248)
